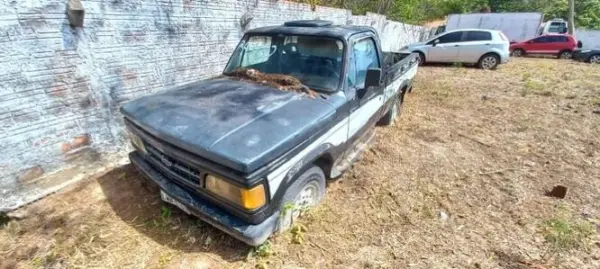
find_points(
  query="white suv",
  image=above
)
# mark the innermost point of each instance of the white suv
(486, 48)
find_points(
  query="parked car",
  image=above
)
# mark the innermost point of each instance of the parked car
(249, 150)
(587, 55)
(486, 48)
(554, 44)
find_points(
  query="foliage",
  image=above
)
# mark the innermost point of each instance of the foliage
(587, 12)
(565, 235)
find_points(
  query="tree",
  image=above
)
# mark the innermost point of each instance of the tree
(571, 17)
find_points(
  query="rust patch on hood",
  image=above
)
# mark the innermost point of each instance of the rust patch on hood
(281, 82)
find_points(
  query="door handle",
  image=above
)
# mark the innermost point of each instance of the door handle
(487, 44)
(457, 45)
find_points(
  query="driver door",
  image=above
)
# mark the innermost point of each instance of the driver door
(365, 102)
(445, 48)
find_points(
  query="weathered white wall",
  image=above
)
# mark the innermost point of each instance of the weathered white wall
(590, 38)
(61, 88)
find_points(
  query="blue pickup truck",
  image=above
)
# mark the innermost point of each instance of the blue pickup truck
(293, 108)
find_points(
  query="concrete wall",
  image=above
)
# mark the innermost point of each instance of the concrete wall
(61, 87)
(590, 38)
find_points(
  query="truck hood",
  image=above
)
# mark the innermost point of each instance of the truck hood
(237, 124)
(416, 45)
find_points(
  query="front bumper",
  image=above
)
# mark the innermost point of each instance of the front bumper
(579, 56)
(251, 234)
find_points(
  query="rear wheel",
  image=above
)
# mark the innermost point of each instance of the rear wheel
(390, 117)
(565, 55)
(595, 59)
(489, 62)
(518, 53)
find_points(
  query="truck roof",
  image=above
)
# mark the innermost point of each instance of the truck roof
(313, 28)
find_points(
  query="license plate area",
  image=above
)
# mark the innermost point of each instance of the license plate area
(165, 197)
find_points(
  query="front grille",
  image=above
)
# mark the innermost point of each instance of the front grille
(173, 168)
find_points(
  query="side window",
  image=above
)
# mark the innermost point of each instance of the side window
(257, 50)
(364, 53)
(478, 36)
(564, 39)
(451, 37)
(542, 39)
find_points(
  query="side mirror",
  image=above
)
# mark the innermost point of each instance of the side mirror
(373, 78)
(435, 42)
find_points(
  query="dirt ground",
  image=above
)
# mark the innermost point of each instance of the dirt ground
(459, 182)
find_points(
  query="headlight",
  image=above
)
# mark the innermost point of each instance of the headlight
(248, 198)
(404, 48)
(137, 142)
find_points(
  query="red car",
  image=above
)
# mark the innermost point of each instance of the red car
(555, 44)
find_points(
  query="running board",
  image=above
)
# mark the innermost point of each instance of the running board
(358, 148)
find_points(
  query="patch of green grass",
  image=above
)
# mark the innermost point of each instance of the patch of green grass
(263, 251)
(596, 101)
(163, 221)
(564, 235)
(534, 87)
(298, 233)
(458, 65)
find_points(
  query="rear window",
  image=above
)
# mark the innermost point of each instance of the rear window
(478, 36)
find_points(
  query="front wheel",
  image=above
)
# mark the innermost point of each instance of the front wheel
(565, 55)
(307, 191)
(489, 62)
(421, 58)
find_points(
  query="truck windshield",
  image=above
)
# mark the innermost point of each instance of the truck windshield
(315, 61)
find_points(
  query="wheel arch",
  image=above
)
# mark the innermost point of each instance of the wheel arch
(590, 57)
(420, 52)
(490, 53)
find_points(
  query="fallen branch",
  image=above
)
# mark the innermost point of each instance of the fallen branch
(474, 140)
(497, 171)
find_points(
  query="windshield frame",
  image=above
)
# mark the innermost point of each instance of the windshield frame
(343, 67)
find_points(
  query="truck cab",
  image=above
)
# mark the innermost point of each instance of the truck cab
(248, 150)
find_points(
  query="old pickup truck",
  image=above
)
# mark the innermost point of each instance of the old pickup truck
(248, 150)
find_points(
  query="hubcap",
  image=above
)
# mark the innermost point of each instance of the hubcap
(595, 59)
(307, 197)
(517, 53)
(566, 55)
(488, 62)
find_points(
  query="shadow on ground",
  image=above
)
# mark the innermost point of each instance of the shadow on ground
(137, 202)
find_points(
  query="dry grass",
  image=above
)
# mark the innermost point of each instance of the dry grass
(459, 183)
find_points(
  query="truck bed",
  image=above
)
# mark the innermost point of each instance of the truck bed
(397, 63)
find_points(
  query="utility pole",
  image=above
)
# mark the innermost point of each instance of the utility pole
(571, 17)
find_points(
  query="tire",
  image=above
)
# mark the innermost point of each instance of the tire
(566, 54)
(307, 191)
(421, 58)
(390, 117)
(489, 61)
(594, 59)
(518, 53)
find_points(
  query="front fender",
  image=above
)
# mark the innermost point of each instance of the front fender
(279, 184)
